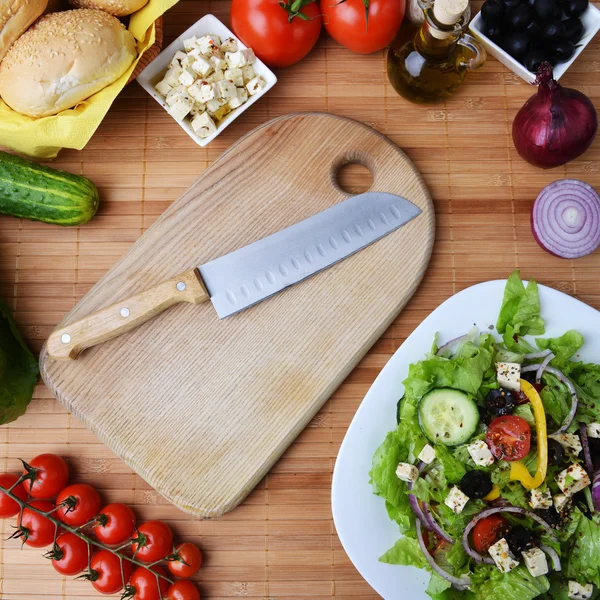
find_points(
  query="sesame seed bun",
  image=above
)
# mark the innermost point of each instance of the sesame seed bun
(119, 8)
(64, 59)
(15, 17)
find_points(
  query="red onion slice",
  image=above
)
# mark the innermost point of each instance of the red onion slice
(551, 552)
(461, 582)
(585, 444)
(534, 355)
(540, 371)
(435, 526)
(414, 501)
(566, 218)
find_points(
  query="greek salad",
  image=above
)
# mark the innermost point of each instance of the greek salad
(489, 474)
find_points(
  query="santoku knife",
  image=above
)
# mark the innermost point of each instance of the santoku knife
(246, 276)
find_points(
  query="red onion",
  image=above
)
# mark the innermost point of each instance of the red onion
(414, 501)
(461, 582)
(551, 552)
(542, 368)
(585, 444)
(596, 491)
(435, 526)
(565, 219)
(534, 355)
(555, 125)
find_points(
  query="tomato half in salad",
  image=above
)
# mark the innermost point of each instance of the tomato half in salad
(488, 531)
(509, 438)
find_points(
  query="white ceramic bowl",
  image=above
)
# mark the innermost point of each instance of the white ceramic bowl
(155, 71)
(591, 24)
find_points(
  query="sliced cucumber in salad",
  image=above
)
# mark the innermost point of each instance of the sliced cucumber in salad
(448, 416)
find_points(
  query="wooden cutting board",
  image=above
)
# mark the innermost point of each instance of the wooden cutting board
(202, 408)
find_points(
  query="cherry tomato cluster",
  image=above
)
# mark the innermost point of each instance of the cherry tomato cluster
(115, 555)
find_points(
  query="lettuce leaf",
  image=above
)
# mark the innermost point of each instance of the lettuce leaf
(563, 347)
(488, 583)
(583, 557)
(586, 377)
(18, 369)
(406, 551)
(520, 309)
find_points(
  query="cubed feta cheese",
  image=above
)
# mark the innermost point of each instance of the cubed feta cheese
(502, 556)
(197, 109)
(427, 455)
(536, 562)
(561, 502)
(539, 499)
(208, 92)
(222, 111)
(190, 43)
(187, 77)
(241, 58)
(240, 98)
(203, 125)
(572, 480)
(456, 500)
(202, 66)
(209, 45)
(212, 106)
(235, 76)
(172, 75)
(218, 64)
(216, 77)
(195, 91)
(163, 87)
(480, 453)
(175, 94)
(509, 375)
(178, 58)
(181, 108)
(580, 592)
(407, 472)
(569, 441)
(593, 430)
(255, 85)
(226, 89)
(248, 73)
(229, 45)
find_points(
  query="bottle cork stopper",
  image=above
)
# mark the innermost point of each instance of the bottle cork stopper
(448, 12)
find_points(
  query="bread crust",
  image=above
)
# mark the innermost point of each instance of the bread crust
(15, 18)
(118, 8)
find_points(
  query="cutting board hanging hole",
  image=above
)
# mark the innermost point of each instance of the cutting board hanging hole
(354, 178)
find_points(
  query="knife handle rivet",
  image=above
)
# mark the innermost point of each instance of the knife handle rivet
(124, 312)
(65, 338)
(181, 286)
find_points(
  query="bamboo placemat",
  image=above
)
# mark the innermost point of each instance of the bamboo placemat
(281, 542)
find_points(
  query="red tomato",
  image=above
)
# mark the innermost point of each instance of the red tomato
(51, 474)
(115, 524)
(146, 584)
(8, 507)
(263, 26)
(188, 562)
(346, 23)
(183, 589)
(71, 557)
(154, 540)
(488, 531)
(82, 503)
(37, 530)
(107, 575)
(509, 438)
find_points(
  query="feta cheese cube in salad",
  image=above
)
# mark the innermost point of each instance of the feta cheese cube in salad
(540, 499)
(502, 556)
(209, 44)
(480, 453)
(203, 125)
(190, 43)
(427, 455)
(229, 45)
(188, 76)
(255, 85)
(572, 480)
(181, 108)
(407, 472)
(456, 500)
(569, 441)
(163, 87)
(202, 66)
(248, 73)
(580, 592)
(536, 562)
(509, 375)
(593, 430)
(561, 502)
(241, 58)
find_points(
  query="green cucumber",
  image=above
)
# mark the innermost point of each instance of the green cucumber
(448, 416)
(35, 192)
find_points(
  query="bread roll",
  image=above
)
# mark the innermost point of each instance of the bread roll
(119, 8)
(15, 18)
(64, 59)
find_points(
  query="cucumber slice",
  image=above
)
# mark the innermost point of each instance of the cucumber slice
(448, 416)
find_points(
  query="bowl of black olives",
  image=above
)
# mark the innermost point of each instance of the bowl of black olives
(522, 34)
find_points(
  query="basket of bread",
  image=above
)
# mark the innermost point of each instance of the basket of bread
(61, 67)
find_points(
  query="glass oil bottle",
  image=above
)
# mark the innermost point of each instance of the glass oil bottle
(428, 62)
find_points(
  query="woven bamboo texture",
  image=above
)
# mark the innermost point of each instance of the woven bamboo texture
(281, 542)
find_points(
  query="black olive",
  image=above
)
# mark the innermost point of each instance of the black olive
(533, 30)
(556, 453)
(553, 518)
(476, 484)
(519, 17)
(520, 538)
(500, 402)
(548, 10)
(493, 32)
(575, 8)
(563, 51)
(516, 44)
(511, 4)
(534, 58)
(571, 29)
(492, 12)
(552, 31)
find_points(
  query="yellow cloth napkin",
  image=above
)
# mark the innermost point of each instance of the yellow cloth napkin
(45, 137)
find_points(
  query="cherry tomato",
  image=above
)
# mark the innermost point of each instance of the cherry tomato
(183, 589)
(115, 524)
(83, 504)
(263, 26)
(153, 541)
(106, 568)
(146, 584)
(509, 438)
(488, 531)
(37, 530)
(346, 23)
(71, 557)
(8, 507)
(51, 476)
(188, 562)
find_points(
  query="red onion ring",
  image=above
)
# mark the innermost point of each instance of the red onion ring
(543, 365)
(414, 501)
(435, 526)
(551, 552)
(461, 582)
(566, 218)
(449, 344)
(534, 355)
(585, 444)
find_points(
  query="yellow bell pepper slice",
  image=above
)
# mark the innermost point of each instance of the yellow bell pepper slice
(518, 471)
(494, 493)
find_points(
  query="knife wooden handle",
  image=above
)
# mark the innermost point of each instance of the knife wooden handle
(69, 341)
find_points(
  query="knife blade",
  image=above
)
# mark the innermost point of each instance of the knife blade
(250, 274)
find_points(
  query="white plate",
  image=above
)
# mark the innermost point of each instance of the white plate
(361, 520)
(155, 71)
